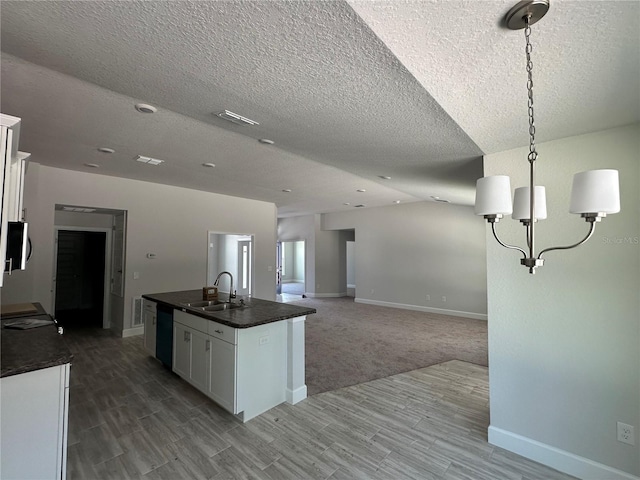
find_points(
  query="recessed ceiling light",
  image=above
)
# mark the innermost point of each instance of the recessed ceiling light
(106, 150)
(346, 203)
(144, 108)
(235, 118)
(208, 164)
(396, 201)
(384, 177)
(286, 190)
(148, 160)
(438, 199)
(361, 190)
(92, 165)
(266, 141)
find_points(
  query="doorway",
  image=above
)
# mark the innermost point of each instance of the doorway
(291, 269)
(80, 278)
(232, 253)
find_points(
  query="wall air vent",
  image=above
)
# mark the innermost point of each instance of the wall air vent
(136, 312)
(235, 118)
(78, 209)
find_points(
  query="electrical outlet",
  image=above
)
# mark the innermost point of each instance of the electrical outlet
(444, 299)
(626, 433)
(263, 340)
(428, 298)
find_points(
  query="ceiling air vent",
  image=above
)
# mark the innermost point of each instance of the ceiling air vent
(235, 118)
(148, 160)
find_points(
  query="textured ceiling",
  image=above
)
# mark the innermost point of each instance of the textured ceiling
(415, 90)
(586, 57)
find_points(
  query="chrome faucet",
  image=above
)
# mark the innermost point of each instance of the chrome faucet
(232, 294)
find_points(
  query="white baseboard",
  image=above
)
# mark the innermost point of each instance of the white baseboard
(554, 457)
(420, 308)
(325, 295)
(297, 395)
(132, 332)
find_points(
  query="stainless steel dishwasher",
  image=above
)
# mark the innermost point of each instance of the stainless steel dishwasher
(164, 335)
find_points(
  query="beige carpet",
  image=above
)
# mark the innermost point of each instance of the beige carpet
(348, 343)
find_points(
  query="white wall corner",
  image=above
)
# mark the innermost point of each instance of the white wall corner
(297, 395)
(553, 457)
(132, 332)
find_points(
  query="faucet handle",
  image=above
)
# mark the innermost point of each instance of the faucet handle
(233, 294)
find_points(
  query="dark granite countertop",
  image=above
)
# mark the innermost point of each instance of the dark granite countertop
(34, 349)
(256, 312)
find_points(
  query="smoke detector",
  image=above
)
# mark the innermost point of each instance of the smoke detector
(145, 108)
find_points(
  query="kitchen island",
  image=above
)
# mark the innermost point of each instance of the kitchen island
(247, 356)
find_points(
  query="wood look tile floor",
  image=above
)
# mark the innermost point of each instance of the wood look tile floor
(129, 417)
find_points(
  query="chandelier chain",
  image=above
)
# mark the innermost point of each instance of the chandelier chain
(533, 154)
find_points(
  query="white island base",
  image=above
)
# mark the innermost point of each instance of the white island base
(247, 371)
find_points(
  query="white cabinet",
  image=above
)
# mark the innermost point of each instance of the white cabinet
(191, 349)
(12, 170)
(244, 370)
(181, 350)
(150, 319)
(222, 383)
(34, 421)
(200, 356)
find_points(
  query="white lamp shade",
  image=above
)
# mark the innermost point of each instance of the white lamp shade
(493, 195)
(595, 191)
(521, 204)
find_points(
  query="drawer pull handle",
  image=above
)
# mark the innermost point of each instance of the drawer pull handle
(208, 345)
(219, 331)
(187, 336)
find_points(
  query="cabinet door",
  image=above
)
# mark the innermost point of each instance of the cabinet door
(222, 382)
(181, 350)
(200, 360)
(6, 137)
(150, 332)
(34, 408)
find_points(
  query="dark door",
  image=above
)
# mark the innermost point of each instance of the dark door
(164, 335)
(80, 278)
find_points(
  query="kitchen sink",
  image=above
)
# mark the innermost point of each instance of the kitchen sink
(222, 306)
(213, 305)
(204, 303)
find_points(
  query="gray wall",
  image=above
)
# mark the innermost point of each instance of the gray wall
(351, 263)
(325, 254)
(161, 219)
(80, 219)
(294, 254)
(406, 252)
(564, 344)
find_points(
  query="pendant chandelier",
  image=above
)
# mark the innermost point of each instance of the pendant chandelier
(594, 194)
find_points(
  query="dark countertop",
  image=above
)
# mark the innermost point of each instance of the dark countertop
(256, 312)
(34, 349)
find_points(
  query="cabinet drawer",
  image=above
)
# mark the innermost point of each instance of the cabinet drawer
(191, 321)
(223, 332)
(148, 305)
